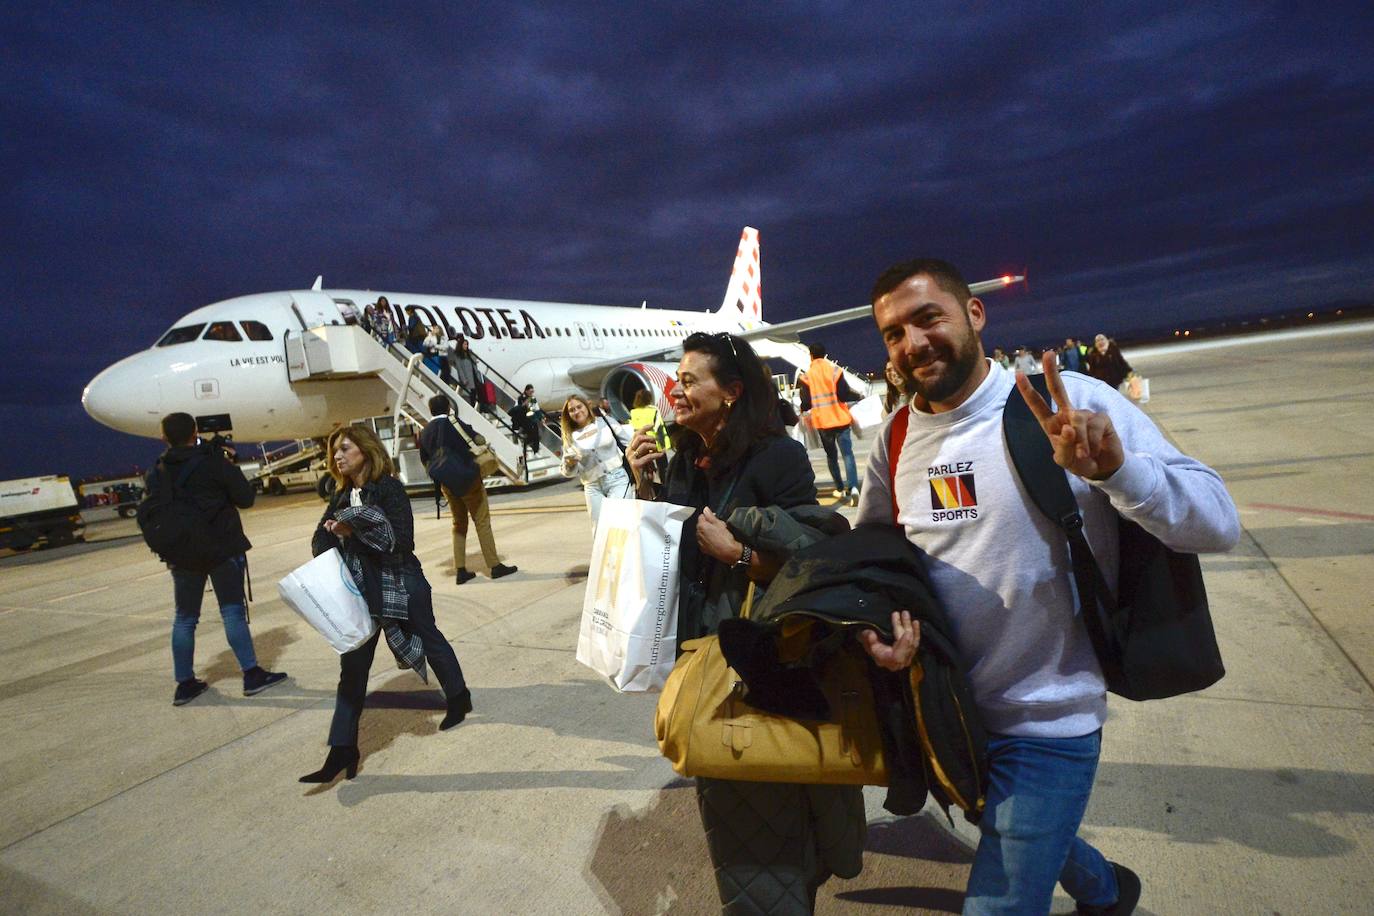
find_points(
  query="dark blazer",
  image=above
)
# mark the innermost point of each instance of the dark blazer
(217, 487)
(776, 472)
(389, 495)
(440, 434)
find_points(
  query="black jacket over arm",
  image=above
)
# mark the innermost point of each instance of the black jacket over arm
(389, 495)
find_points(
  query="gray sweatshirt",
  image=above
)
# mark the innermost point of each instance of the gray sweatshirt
(1002, 568)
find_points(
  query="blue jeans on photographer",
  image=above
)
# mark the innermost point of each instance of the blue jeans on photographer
(1038, 789)
(189, 590)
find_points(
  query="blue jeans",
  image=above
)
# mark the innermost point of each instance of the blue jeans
(1037, 792)
(189, 588)
(840, 436)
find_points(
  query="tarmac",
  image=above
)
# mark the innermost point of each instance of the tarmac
(1253, 797)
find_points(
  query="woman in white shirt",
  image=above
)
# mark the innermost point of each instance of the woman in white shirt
(592, 451)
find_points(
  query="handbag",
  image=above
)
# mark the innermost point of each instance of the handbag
(324, 594)
(629, 610)
(624, 458)
(1154, 638)
(705, 727)
(866, 415)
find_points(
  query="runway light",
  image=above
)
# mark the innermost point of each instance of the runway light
(1006, 280)
(1187, 333)
(1177, 333)
(1310, 315)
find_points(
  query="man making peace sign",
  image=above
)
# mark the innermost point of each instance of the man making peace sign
(1003, 572)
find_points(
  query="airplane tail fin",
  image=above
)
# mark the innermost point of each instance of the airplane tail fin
(743, 298)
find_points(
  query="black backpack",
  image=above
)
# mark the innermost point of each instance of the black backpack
(173, 526)
(1154, 638)
(454, 468)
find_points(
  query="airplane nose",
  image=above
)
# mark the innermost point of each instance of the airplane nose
(125, 398)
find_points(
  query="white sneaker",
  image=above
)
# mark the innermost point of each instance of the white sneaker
(854, 497)
(838, 494)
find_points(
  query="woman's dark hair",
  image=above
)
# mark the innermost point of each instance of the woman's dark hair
(754, 415)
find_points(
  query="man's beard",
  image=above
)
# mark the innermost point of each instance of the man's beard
(961, 364)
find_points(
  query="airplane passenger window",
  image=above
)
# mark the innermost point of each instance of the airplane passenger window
(256, 330)
(582, 331)
(222, 330)
(183, 334)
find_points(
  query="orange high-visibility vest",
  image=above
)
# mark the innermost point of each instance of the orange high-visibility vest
(827, 410)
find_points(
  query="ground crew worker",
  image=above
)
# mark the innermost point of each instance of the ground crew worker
(824, 393)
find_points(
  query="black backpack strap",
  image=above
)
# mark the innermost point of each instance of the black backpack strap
(1048, 487)
(180, 483)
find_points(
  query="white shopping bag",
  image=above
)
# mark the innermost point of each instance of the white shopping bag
(629, 613)
(324, 593)
(867, 415)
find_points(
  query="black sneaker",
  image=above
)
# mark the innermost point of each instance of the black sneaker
(501, 569)
(256, 680)
(1127, 895)
(188, 691)
(464, 575)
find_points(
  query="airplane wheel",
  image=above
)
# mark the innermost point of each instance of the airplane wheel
(276, 487)
(325, 487)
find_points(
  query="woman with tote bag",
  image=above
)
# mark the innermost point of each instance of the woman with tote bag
(732, 452)
(370, 521)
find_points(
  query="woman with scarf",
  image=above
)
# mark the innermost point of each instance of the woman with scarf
(369, 520)
(732, 452)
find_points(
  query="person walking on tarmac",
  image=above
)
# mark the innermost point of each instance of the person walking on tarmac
(439, 435)
(203, 475)
(1007, 580)
(824, 393)
(371, 523)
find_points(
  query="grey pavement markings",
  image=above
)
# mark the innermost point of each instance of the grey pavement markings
(1255, 796)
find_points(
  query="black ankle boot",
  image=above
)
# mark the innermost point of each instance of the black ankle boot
(342, 757)
(459, 705)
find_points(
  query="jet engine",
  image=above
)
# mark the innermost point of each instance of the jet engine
(622, 383)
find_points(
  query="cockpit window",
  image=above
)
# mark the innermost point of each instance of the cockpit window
(256, 330)
(223, 330)
(184, 334)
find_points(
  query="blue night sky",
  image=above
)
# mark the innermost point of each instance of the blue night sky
(1147, 163)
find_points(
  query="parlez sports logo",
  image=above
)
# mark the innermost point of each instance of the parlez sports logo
(952, 493)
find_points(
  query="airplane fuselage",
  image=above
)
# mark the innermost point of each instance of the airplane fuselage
(228, 359)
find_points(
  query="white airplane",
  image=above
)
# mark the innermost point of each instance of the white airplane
(227, 363)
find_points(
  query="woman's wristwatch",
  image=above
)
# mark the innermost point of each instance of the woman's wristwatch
(745, 556)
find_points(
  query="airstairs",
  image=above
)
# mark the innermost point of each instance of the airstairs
(343, 351)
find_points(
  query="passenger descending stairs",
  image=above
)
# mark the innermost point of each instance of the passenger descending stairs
(341, 351)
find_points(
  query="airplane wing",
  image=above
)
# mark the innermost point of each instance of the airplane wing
(788, 330)
(589, 375)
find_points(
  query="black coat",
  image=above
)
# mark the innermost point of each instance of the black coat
(776, 472)
(389, 495)
(216, 486)
(857, 580)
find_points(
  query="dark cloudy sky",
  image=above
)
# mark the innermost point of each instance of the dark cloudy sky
(1147, 163)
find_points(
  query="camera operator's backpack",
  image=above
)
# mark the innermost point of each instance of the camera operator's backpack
(173, 526)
